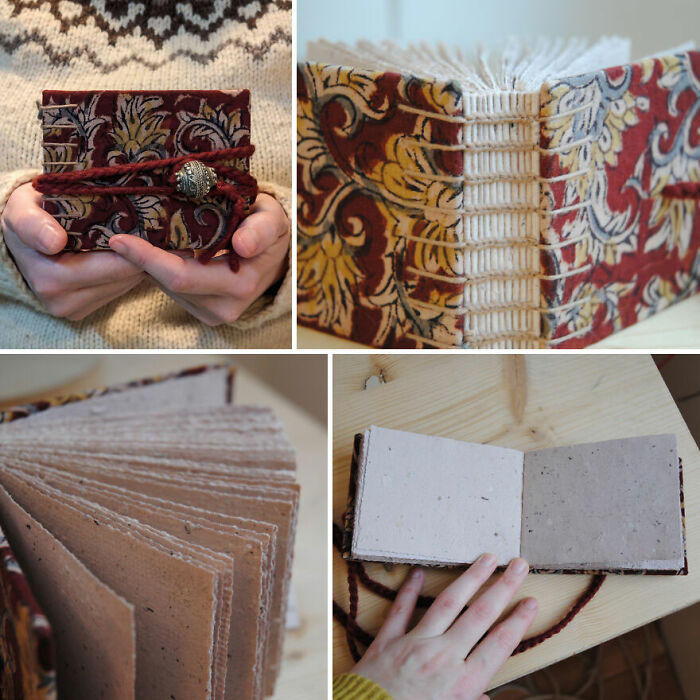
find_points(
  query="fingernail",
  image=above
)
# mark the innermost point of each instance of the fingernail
(487, 559)
(417, 574)
(518, 566)
(49, 238)
(530, 604)
(116, 243)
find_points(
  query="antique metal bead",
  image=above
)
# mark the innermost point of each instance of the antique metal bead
(194, 179)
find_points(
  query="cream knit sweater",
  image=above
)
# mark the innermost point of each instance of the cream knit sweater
(112, 44)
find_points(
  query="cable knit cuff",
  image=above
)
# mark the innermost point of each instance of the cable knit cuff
(348, 686)
(268, 306)
(12, 284)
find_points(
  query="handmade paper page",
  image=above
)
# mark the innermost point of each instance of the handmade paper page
(205, 386)
(434, 500)
(604, 505)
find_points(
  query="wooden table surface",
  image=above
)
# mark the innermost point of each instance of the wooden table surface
(524, 402)
(304, 672)
(676, 327)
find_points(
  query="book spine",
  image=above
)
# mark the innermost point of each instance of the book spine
(500, 137)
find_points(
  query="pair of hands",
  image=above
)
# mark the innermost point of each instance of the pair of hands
(428, 663)
(73, 285)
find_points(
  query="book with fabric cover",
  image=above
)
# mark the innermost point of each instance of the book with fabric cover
(540, 196)
(111, 163)
(611, 507)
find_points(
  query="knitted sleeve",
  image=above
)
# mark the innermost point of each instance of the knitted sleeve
(279, 302)
(12, 284)
(348, 686)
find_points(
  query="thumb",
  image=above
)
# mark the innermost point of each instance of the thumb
(34, 227)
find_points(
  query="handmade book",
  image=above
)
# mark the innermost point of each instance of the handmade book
(534, 197)
(169, 166)
(603, 507)
(153, 524)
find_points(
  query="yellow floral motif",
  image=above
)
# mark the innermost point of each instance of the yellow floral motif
(621, 114)
(327, 273)
(400, 186)
(137, 129)
(179, 238)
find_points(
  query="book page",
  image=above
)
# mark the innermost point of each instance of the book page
(194, 391)
(434, 500)
(604, 505)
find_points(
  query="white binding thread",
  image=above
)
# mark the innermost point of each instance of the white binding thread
(568, 113)
(430, 341)
(575, 334)
(468, 245)
(564, 275)
(44, 108)
(495, 147)
(493, 179)
(460, 279)
(564, 210)
(482, 147)
(490, 147)
(562, 244)
(566, 146)
(517, 335)
(566, 176)
(464, 310)
(474, 118)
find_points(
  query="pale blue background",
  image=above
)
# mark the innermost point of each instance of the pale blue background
(652, 26)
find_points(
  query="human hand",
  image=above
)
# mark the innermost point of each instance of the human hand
(212, 292)
(428, 663)
(68, 285)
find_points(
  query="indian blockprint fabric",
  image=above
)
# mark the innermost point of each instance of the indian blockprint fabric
(27, 655)
(379, 194)
(381, 188)
(618, 250)
(105, 128)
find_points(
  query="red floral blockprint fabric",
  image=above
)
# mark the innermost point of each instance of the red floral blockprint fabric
(378, 187)
(617, 249)
(105, 128)
(27, 656)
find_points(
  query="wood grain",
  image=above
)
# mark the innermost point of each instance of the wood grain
(522, 402)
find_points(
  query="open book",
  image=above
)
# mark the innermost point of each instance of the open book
(154, 523)
(521, 198)
(613, 506)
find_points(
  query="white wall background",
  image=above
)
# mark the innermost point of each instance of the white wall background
(653, 25)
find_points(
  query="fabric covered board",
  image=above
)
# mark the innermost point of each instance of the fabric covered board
(101, 129)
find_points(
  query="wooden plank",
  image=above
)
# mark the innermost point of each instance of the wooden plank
(520, 401)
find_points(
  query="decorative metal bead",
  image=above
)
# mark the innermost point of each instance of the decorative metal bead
(194, 179)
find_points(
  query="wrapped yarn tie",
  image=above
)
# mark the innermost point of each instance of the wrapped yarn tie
(195, 176)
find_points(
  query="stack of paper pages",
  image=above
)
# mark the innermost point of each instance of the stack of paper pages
(155, 525)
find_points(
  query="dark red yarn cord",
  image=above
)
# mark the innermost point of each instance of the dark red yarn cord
(82, 182)
(682, 190)
(355, 633)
